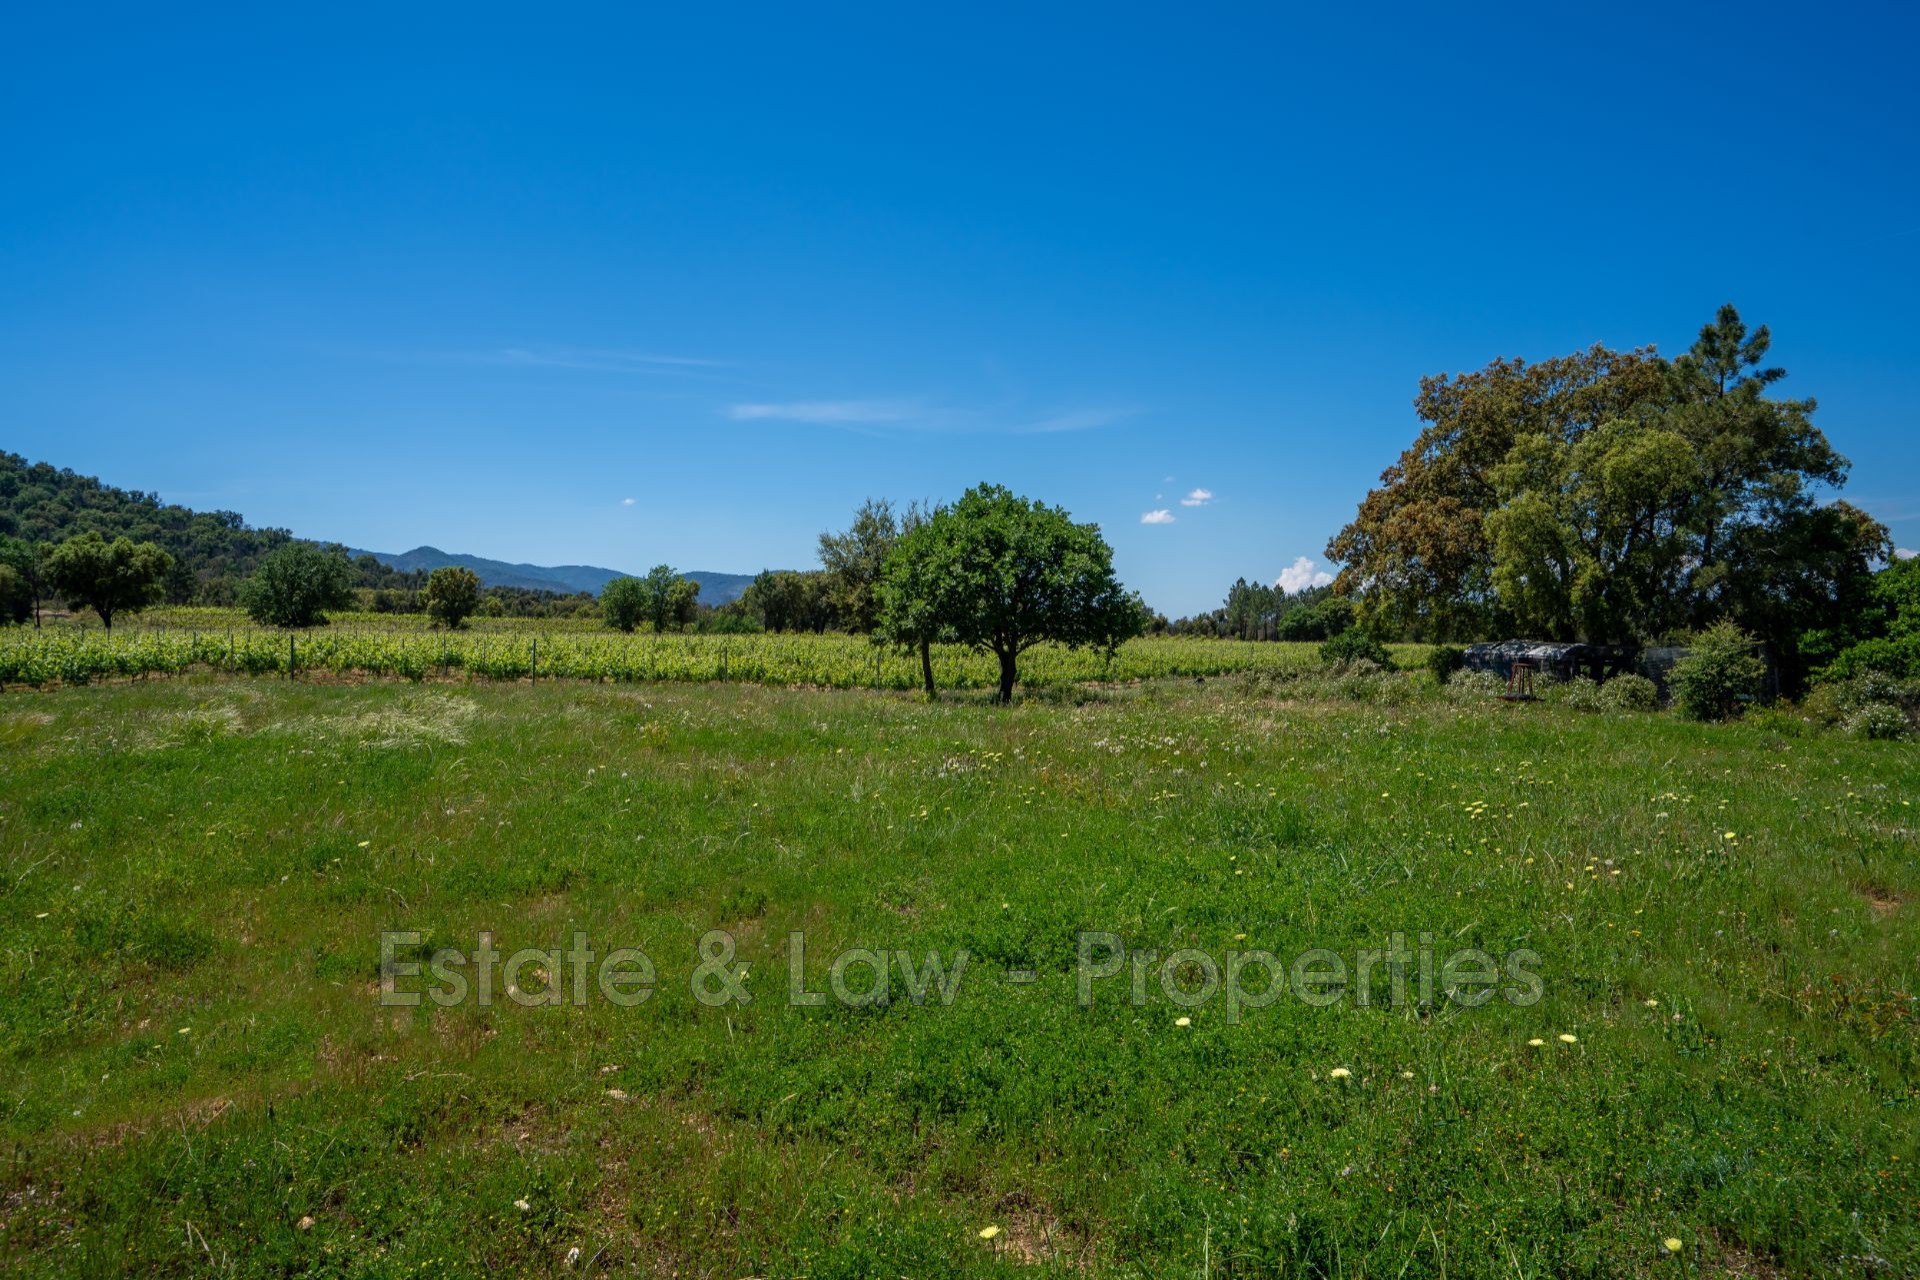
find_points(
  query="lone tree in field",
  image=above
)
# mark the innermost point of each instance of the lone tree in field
(452, 595)
(623, 603)
(663, 598)
(122, 576)
(1000, 573)
(296, 585)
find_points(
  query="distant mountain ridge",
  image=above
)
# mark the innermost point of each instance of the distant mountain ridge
(214, 551)
(563, 579)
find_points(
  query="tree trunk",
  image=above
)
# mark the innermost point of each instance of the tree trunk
(926, 666)
(1008, 675)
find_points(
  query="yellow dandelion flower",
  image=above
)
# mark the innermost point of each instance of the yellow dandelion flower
(1536, 1043)
(1674, 1244)
(1183, 1022)
(1339, 1073)
(988, 1233)
(1567, 1037)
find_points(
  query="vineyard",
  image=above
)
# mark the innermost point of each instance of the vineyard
(74, 655)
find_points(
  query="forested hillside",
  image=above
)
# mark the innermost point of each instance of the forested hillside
(213, 551)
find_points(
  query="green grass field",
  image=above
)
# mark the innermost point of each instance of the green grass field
(202, 1079)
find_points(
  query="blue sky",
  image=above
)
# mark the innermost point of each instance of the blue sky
(638, 285)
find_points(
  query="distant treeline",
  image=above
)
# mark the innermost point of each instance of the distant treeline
(1255, 612)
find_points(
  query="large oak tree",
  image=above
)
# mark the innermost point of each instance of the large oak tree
(1612, 496)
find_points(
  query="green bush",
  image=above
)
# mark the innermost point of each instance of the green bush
(1356, 644)
(1580, 693)
(1866, 705)
(1629, 693)
(1881, 720)
(1445, 659)
(1720, 675)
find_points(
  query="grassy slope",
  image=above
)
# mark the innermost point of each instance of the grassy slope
(217, 856)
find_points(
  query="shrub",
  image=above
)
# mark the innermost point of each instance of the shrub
(1580, 693)
(1475, 686)
(1445, 659)
(1881, 720)
(1353, 645)
(1629, 693)
(1866, 705)
(1720, 675)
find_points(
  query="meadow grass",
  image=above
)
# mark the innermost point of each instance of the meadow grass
(201, 1078)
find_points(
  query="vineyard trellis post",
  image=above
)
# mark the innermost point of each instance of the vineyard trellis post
(290, 655)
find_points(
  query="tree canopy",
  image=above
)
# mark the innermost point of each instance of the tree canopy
(854, 559)
(1614, 497)
(122, 576)
(452, 595)
(662, 597)
(1001, 573)
(296, 586)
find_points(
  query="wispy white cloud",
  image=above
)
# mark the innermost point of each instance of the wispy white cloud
(827, 412)
(921, 415)
(1904, 553)
(626, 502)
(1162, 516)
(1198, 498)
(1075, 420)
(592, 359)
(1300, 575)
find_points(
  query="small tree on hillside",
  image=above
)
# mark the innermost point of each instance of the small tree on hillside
(122, 576)
(296, 586)
(452, 595)
(1001, 573)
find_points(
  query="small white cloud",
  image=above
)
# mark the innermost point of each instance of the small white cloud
(1904, 553)
(1198, 498)
(1300, 575)
(626, 502)
(1162, 516)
